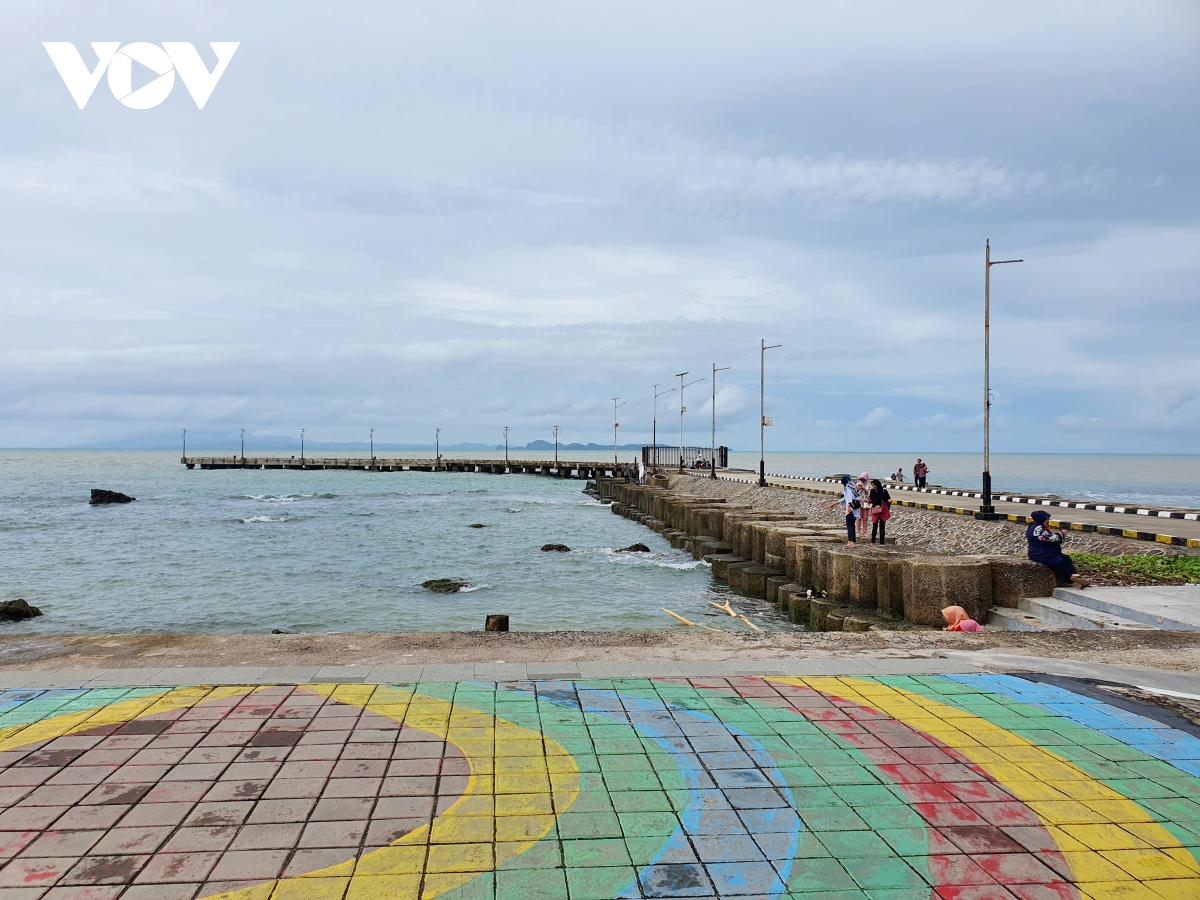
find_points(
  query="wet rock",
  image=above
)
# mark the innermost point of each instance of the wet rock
(557, 548)
(16, 610)
(101, 496)
(635, 548)
(444, 585)
(477, 525)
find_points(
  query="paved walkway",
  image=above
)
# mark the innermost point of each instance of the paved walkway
(1177, 531)
(856, 787)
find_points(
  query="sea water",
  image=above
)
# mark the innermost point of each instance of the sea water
(256, 550)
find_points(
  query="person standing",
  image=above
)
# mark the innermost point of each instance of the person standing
(881, 510)
(863, 488)
(924, 475)
(850, 500)
(917, 473)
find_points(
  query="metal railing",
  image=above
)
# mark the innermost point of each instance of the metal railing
(674, 457)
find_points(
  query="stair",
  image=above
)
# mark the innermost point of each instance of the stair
(1139, 605)
(1003, 619)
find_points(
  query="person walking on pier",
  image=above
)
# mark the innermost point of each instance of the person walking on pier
(863, 487)
(920, 470)
(881, 510)
(853, 505)
(1045, 547)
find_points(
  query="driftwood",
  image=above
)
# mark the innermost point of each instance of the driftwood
(737, 615)
(676, 615)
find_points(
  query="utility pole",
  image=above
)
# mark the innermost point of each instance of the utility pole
(437, 449)
(762, 418)
(682, 410)
(372, 446)
(713, 459)
(301, 446)
(243, 446)
(616, 425)
(657, 394)
(556, 446)
(506, 446)
(184, 460)
(986, 510)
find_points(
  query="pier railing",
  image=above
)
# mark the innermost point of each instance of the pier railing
(561, 469)
(665, 456)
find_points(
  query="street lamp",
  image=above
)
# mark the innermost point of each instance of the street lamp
(506, 446)
(616, 425)
(556, 430)
(243, 445)
(372, 446)
(301, 446)
(682, 410)
(712, 461)
(986, 510)
(437, 449)
(657, 394)
(184, 460)
(762, 418)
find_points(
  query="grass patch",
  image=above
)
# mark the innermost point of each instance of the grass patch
(1139, 569)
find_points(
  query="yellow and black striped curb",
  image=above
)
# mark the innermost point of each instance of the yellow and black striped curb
(1110, 530)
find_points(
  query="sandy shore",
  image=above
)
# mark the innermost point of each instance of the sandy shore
(1179, 651)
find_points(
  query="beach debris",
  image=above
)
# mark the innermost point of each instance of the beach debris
(281, 631)
(676, 615)
(444, 585)
(477, 525)
(496, 623)
(16, 610)
(556, 548)
(635, 548)
(101, 496)
(733, 612)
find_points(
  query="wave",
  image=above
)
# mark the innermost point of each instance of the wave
(285, 498)
(514, 509)
(257, 519)
(472, 588)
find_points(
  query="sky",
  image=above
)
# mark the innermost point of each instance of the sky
(459, 215)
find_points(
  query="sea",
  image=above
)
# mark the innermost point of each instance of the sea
(335, 550)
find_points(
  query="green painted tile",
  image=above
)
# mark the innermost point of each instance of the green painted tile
(906, 893)
(810, 847)
(599, 883)
(589, 825)
(911, 841)
(642, 801)
(882, 873)
(648, 824)
(812, 797)
(854, 844)
(597, 852)
(642, 850)
(866, 795)
(531, 884)
(878, 817)
(819, 874)
(832, 818)
(545, 854)
(846, 774)
(631, 781)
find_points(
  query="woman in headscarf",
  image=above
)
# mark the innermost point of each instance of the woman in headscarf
(863, 487)
(1045, 547)
(957, 620)
(880, 502)
(853, 505)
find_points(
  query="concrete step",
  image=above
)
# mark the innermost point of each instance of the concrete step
(1004, 619)
(1064, 614)
(1172, 607)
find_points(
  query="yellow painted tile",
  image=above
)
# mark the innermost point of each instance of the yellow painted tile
(1080, 789)
(1119, 811)
(395, 711)
(462, 829)
(1065, 812)
(1184, 858)
(1174, 889)
(467, 732)
(436, 885)
(522, 828)
(1064, 840)
(1116, 890)
(394, 860)
(311, 889)
(1104, 837)
(1087, 866)
(517, 747)
(475, 747)
(520, 765)
(385, 887)
(522, 784)
(560, 764)
(460, 858)
(523, 805)
(336, 871)
(1033, 790)
(1153, 834)
(1148, 864)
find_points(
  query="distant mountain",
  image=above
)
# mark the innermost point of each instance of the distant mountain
(547, 445)
(201, 440)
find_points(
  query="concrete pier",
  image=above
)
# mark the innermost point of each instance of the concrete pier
(561, 469)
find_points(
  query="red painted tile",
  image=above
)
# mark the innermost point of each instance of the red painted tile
(1006, 814)
(974, 892)
(948, 814)
(981, 791)
(119, 869)
(1059, 890)
(957, 870)
(1015, 868)
(34, 872)
(928, 793)
(982, 839)
(167, 868)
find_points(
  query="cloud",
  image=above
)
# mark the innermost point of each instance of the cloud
(879, 417)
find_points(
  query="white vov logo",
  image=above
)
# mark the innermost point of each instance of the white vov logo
(165, 61)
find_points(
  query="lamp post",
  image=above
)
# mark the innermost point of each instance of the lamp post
(657, 394)
(616, 425)
(437, 449)
(712, 460)
(986, 510)
(556, 429)
(506, 446)
(184, 460)
(762, 418)
(682, 410)
(372, 446)
(243, 446)
(301, 446)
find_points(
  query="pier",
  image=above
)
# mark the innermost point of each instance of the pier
(561, 469)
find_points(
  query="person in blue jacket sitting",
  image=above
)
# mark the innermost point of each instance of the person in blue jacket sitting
(1045, 547)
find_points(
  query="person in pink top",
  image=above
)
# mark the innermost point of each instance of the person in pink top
(957, 620)
(863, 488)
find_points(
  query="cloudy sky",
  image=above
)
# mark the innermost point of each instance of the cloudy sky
(470, 215)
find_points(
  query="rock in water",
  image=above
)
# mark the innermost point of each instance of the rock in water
(558, 548)
(444, 585)
(99, 496)
(635, 548)
(16, 610)
(477, 525)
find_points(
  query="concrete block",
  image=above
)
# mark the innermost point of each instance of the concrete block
(1014, 578)
(778, 535)
(864, 578)
(721, 562)
(798, 608)
(784, 595)
(856, 623)
(932, 583)
(774, 583)
(889, 587)
(818, 609)
(771, 561)
(749, 579)
(836, 617)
